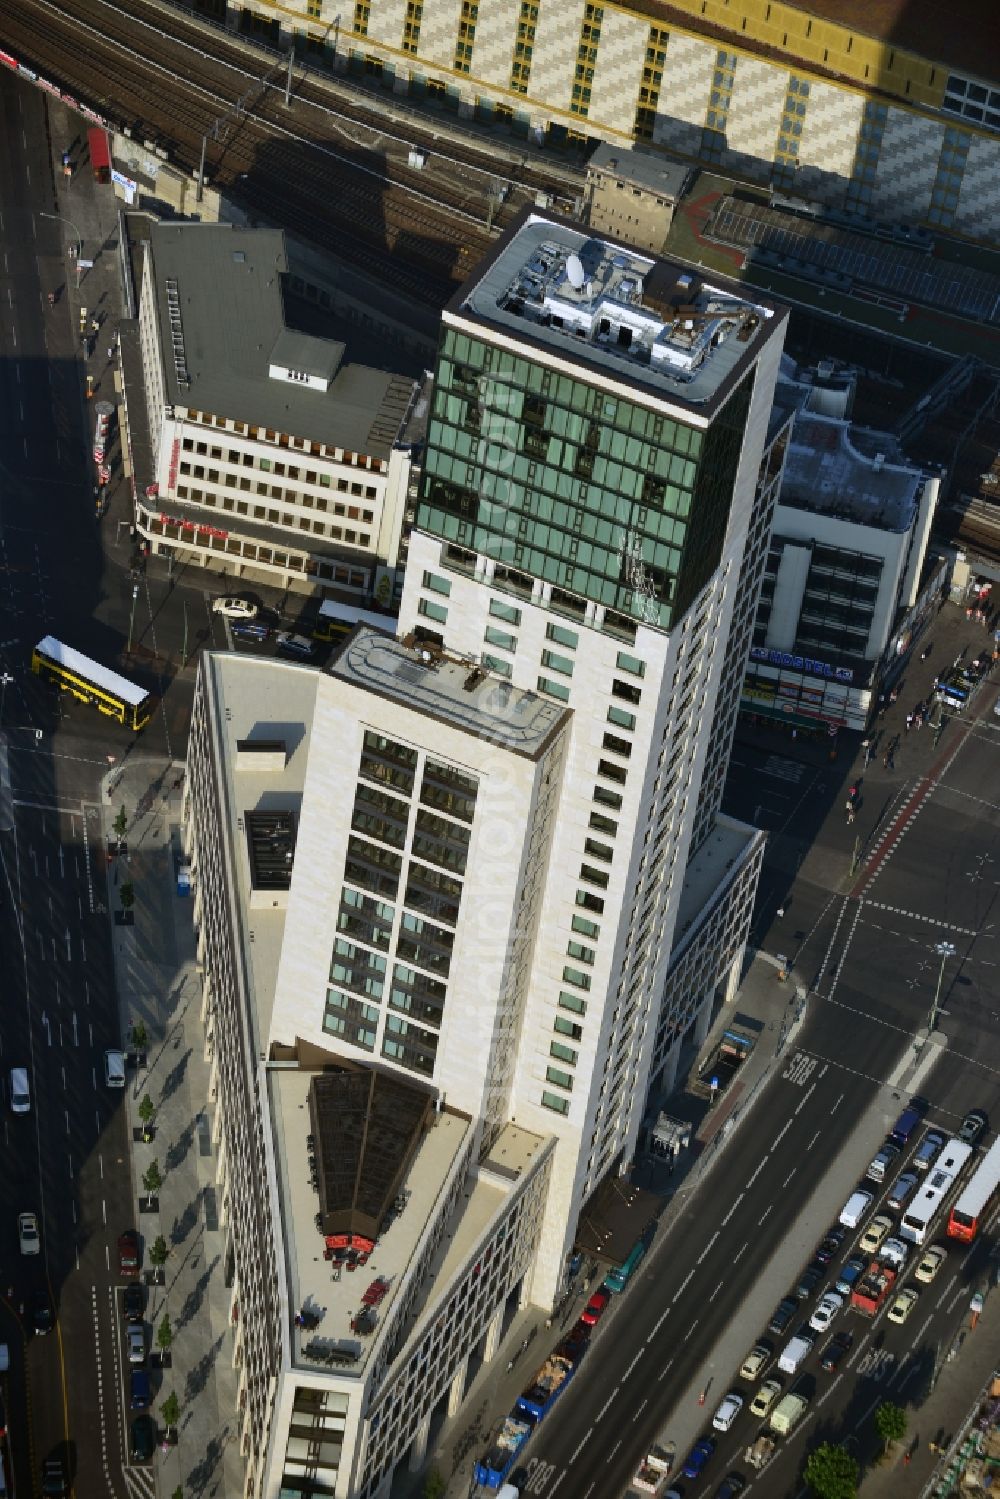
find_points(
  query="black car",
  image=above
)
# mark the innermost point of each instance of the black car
(810, 1278)
(134, 1302)
(829, 1246)
(732, 1484)
(835, 1350)
(41, 1313)
(972, 1126)
(143, 1443)
(55, 1484)
(783, 1314)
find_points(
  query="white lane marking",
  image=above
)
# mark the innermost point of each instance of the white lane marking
(757, 1172)
(805, 1099)
(733, 1209)
(707, 1247)
(782, 1133)
(632, 1365)
(787, 1179)
(766, 1211)
(683, 1283)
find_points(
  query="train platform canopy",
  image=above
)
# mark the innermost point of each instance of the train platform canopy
(614, 1219)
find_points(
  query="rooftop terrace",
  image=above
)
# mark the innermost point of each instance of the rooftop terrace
(456, 692)
(639, 320)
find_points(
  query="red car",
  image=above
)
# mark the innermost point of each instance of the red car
(595, 1308)
(128, 1253)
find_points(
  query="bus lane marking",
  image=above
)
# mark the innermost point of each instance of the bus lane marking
(583, 1444)
(781, 1134)
(805, 1099)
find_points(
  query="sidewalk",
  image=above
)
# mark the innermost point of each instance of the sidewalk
(158, 986)
(943, 1417)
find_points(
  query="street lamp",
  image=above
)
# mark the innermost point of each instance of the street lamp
(944, 950)
(78, 254)
(131, 618)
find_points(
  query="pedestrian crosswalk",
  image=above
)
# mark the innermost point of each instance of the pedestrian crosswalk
(141, 1483)
(784, 770)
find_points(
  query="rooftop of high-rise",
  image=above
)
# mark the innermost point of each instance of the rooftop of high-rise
(647, 325)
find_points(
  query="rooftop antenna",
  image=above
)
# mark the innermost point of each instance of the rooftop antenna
(575, 272)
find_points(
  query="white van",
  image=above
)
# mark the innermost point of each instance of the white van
(795, 1352)
(20, 1096)
(114, 1069)
(855, 1208)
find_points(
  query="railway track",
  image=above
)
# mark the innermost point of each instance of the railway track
(269, 159)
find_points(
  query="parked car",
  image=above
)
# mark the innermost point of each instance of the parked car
(903, 1304)
(809, 1280)
(55, 1483)
(128, 1252)
(829, 1246)
(143, 1443)
(27, 1233)
(972, 1126)
(827, 1308)
(134, 1302)
(731, 1485)
(728, 1410)
(902, 1191)
(757, 1361)
(251, 629)
(765, 1397)
(114, 1068)
(140, 1391)
(783, 1313)
(20, 1091)
(595, 1308)
(835, 1351)
(851, 1271)
(931, 1263)
(234, 608)
(874, 1234)
(701, 1452)
(42, 1319)
(136, 1345)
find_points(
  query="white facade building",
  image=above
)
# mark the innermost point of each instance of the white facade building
(463, 891)
(274, 457)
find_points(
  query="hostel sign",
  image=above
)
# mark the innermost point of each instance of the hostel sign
(801, 663)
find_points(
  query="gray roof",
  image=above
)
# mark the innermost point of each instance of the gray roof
(658, 174)
(229, 297)
(562, 290)
(849, 473)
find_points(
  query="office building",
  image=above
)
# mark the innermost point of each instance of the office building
(460, 888)
(272, 455)
(632, 195)
(846, 567)
(892, 111)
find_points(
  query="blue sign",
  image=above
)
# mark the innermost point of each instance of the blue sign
(713, 1082)
(801, 663)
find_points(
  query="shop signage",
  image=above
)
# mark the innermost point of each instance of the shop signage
(190, 525)
(801, 663)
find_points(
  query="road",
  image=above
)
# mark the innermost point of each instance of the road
(866, 948)
(67, 1160)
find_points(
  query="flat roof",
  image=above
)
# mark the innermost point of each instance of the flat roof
(459, 693)
(658, 174)
(650, 326)
(707, 871)
(333, 1294)
(850, 473)
(225, 318)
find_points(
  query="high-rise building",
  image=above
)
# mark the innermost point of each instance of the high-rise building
(463, 891)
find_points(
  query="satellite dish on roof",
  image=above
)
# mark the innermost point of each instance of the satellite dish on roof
(575, 272)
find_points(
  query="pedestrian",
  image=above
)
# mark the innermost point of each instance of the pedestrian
(885, 759)
(780, 911)
(909, 722)
(111, 353)
(893, 695)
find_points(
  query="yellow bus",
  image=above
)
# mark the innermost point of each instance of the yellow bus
(92, 683)
(336, 621)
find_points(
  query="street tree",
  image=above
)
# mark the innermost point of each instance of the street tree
(127, 895)
(147, 1110)
(170, 1410)
(890, 1422)
(434, 1485)
(164, 1335)
(832, 1473)
(158, 1252)
(152, 1179)
(140, 1039)
(120, 823)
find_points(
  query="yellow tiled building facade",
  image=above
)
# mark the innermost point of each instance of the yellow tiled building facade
(807, 97)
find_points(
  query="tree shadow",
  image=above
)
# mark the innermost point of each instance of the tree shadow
(183, 1225)
(202, 1473)
(180, 1147)
(196, 1296)
(198, 1376)
(175, 1076)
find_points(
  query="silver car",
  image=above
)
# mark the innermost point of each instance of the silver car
(27, 1234)
(136, 1345)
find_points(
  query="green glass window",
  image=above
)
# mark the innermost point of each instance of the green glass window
(552, 662)
(437, 612)
(574, 1002)
(499, 638)
(436, 583)
(497, 663)
(621, 719)
(500, 610)
(561, 1079)
(561, 636)
(555, 1103)
(553, 689)
(584, 927)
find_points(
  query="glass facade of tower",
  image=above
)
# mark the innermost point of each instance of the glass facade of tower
(593, 493)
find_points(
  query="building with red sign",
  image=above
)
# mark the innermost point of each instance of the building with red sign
(275, 456)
